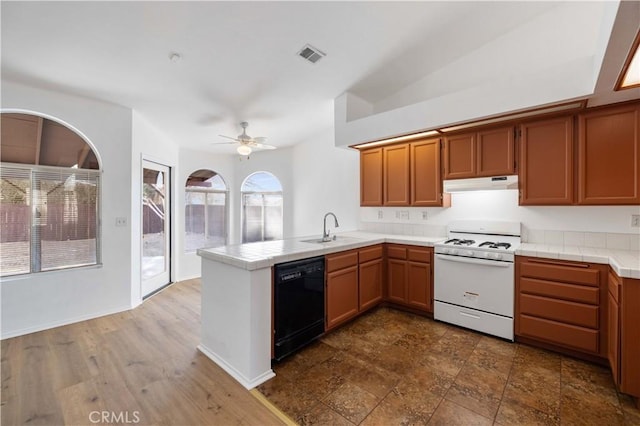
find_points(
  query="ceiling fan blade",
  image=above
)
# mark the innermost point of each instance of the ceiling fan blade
(229, 137)
(223, 143)
(264, 146)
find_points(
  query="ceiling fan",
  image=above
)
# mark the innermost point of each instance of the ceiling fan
(247, 143)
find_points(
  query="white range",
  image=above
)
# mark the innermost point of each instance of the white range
(474, 276)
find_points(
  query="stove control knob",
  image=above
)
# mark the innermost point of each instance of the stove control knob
(454, 251)
(497, 256)
(468, 253)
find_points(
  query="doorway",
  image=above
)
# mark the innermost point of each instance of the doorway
(156, 220)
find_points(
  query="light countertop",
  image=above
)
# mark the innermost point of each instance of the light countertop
(252, 256)
(626, 263)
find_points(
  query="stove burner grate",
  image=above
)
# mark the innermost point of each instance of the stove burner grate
(491, 244)
(459, 242)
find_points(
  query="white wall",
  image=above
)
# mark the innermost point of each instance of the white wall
(189, 265)
(326, 179)
(44, 300)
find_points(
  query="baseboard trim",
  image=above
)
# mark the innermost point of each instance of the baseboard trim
(55, 324)
(230, 370)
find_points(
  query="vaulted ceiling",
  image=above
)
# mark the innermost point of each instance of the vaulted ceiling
(238, 60)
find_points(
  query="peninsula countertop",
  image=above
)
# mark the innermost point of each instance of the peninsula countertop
(251, 256)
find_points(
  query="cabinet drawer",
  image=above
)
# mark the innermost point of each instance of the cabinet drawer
(419, 255)
(576, 293)
(577, 273)
(614, 287)
(562, 334)
(370, 253)
(341, 260)
(560, 310)
(397, 252)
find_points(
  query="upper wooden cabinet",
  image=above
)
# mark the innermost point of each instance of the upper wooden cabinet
(395, 177)
(426, 179)
(406, 174)
(371, 177)
(609, 156)
(546, 162)
(460, 156)
(488, 152)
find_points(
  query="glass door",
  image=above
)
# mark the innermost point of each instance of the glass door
(156, 253)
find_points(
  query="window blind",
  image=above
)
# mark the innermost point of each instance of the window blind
(62, 222)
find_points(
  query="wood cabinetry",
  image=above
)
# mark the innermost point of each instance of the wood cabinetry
(341, 287)
(546, 162)
(488, 152)
(354, 283)
(623, 333)
(409, 276)
(613, 325)
(370, 278)
(406, 174)
(425, 178)
(395, 177)
(562, 303)
(371, 177)
(609, 156)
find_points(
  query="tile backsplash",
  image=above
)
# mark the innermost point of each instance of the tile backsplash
(582, 239)
(405, 229)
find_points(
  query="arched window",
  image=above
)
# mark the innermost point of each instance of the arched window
(49, 197)
(261, 208)
(205, 210)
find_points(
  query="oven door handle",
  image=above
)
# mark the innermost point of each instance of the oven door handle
(485, 262)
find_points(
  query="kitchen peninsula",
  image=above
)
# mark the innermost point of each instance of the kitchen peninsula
(237, 297)
(237, 290)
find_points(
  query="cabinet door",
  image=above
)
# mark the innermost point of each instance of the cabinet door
(419, 285)
(370, 284)
(371, 177)
(397, 280)
(342, 295)
(613, 338)
(609, 156)
(426, 182)
(396, 175)
(460, 156)
(495, 152)
(546, 162)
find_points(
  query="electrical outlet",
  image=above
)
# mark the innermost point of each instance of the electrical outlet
(635, 220)
(121, 221)
(424, 215)
(380, 214)
(404, 214)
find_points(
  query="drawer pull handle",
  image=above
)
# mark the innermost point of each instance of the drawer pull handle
(570, 265)
(464, 314)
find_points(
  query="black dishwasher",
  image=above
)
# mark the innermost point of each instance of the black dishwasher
(298, 304)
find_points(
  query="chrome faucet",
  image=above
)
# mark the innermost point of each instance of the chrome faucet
(325, 233)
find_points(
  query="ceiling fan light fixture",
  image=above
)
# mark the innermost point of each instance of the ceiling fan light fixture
(244, 150)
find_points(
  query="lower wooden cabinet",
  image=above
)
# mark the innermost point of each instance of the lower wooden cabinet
(341, 287)
(409, 273)
(370, 284)
(354, 283)
(623, 333)
(562, 304)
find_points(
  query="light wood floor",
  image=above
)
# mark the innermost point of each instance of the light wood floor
(140, 366)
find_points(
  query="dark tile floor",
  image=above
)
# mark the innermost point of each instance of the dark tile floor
(393, 368)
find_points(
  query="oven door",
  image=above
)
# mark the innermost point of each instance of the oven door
(481, 284)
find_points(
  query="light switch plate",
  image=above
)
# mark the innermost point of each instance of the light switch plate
(121, 221)
(635, 220)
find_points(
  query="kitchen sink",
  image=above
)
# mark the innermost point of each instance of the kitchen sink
(339, 239)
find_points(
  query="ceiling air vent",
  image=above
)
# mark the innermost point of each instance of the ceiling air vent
(311, 54)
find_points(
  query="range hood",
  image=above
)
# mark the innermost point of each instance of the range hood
(481, 184)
